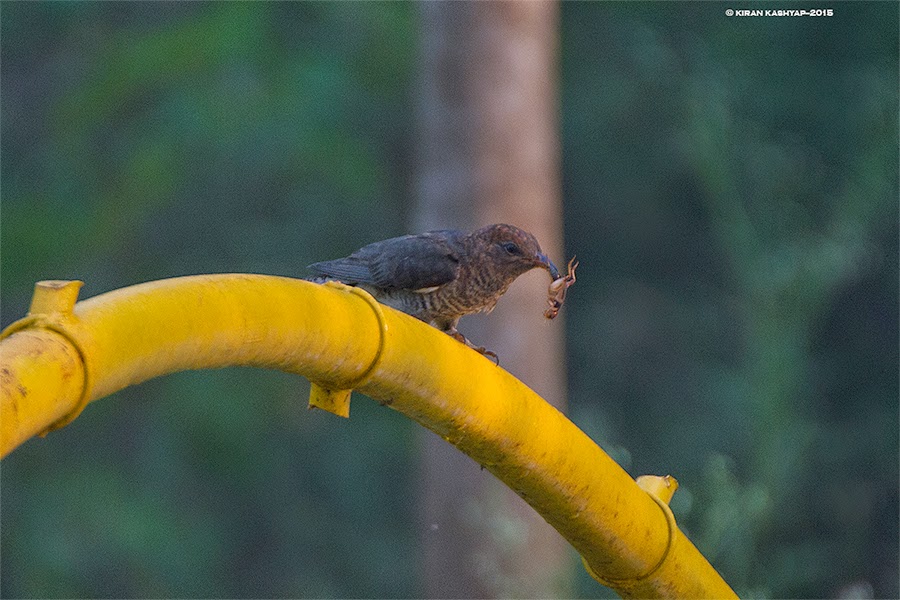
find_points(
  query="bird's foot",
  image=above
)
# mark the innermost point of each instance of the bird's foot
(456, 335)
(486, 352)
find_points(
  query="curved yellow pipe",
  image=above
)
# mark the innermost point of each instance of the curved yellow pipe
(64, 355)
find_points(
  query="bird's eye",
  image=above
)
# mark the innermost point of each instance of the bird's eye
(511, 248)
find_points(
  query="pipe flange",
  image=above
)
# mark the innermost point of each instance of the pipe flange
(617, 583)
(51, 310)
(336, 399)
(376, 307)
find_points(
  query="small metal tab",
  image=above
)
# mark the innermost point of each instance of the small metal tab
(54, 297)
(337, 402)
(662, 488)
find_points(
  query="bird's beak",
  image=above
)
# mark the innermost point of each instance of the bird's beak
(544, 262)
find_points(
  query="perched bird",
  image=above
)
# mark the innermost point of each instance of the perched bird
(440, 276)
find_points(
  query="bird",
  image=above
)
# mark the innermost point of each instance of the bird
(440, 276)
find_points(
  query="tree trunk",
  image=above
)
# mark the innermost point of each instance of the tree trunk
(489, 153)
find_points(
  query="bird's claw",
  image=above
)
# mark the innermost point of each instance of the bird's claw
(486, 352)
(456, 335)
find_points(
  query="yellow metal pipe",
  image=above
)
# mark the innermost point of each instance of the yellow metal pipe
(64, 355)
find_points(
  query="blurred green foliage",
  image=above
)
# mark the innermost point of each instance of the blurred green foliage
(731, 191)
(735, 179)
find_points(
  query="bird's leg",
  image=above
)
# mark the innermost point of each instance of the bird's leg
(450, 329)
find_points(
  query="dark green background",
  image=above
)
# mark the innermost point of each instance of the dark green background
(730, 188)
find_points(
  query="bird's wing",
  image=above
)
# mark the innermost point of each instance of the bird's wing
(410, 262)
(348, 270)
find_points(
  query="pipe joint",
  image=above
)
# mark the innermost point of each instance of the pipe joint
(51, 309)
(336, 399)
(661, 490)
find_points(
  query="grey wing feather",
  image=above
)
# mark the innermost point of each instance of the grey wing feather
(410, 262)
(346, 270)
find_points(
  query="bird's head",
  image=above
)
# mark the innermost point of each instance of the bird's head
(514, 250)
